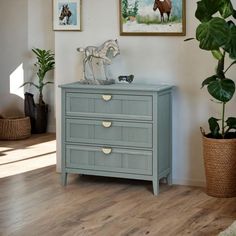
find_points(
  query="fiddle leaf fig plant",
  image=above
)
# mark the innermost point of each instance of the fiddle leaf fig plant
(45, 62)
(216, 33)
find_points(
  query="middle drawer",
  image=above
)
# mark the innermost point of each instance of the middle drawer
(109, 133)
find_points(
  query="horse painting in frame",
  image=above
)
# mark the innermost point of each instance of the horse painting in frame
(152, 17)
(67, 15)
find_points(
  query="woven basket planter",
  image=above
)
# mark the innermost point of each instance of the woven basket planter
(220, 166)
(15, 128)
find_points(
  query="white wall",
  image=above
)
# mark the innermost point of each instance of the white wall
(24, 24)
(41, 35)
(151, 59)
(13, 29)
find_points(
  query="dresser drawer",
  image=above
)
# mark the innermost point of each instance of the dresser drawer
(117, 133)
(116, 106)
(109, 159)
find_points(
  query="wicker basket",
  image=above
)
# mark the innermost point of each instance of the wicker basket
(15, 128)
(220, 166)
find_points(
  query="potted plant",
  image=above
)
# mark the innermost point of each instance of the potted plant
(216, 33)
(38, 112)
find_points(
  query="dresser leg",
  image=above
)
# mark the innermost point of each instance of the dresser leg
(155, 185)
(64, 178)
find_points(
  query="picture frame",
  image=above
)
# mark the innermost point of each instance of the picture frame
(152, 17)
(67, 15)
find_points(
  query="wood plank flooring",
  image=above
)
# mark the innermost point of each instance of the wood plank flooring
(34, 203)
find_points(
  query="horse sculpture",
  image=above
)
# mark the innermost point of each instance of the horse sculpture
(108, 49)
(65, 15)
(164, 7)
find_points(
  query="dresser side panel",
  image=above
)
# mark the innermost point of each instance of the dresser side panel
(164, 123)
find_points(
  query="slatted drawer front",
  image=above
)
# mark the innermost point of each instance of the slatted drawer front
(112, 105)
(109, 133)
(109, 159)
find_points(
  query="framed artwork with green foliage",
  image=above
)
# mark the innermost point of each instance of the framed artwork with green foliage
(152, 17)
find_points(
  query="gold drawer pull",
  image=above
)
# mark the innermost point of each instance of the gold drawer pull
(106, 124)
(106, 151)
(106, 97)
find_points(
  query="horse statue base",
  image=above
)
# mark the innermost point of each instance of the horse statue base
(97, 81)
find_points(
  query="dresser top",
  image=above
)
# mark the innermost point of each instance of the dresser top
(119, 86)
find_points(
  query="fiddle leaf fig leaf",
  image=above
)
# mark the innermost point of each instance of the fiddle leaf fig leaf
(208, 80)
(231, 122)
(222, 90)
(230, 47)
(212, 34)
(234, 14)
(217, 54)
(226, 8)
(214, 127)
(206, 8)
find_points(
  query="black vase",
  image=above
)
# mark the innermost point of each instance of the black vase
(38, 114)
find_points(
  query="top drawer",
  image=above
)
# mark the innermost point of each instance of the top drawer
(109, 105)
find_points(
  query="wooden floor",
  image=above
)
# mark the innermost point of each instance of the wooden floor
(34, 203)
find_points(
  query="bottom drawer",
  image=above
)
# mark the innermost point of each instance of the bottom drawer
(109, 159)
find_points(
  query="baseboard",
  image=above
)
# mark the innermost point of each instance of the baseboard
(189, 182)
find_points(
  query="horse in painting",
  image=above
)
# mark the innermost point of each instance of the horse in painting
(65, 15)
(164, 6)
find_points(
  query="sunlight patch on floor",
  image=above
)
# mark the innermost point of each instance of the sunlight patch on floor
(20, 160)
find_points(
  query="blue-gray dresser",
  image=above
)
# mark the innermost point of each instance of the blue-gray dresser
(120, 130)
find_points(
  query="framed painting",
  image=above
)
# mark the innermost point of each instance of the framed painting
(152, 17)
(67, 15)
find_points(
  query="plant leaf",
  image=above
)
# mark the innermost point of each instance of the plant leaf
(206, 8)
(214, 127)
(230, 46)
(49, 82)
(231, 122)
(31, 84)
(222, 90)
(208, 80)
(226, 8)
(234, 14)
(188, 39)
(45, 62)
(213, 34)
(217, 54)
